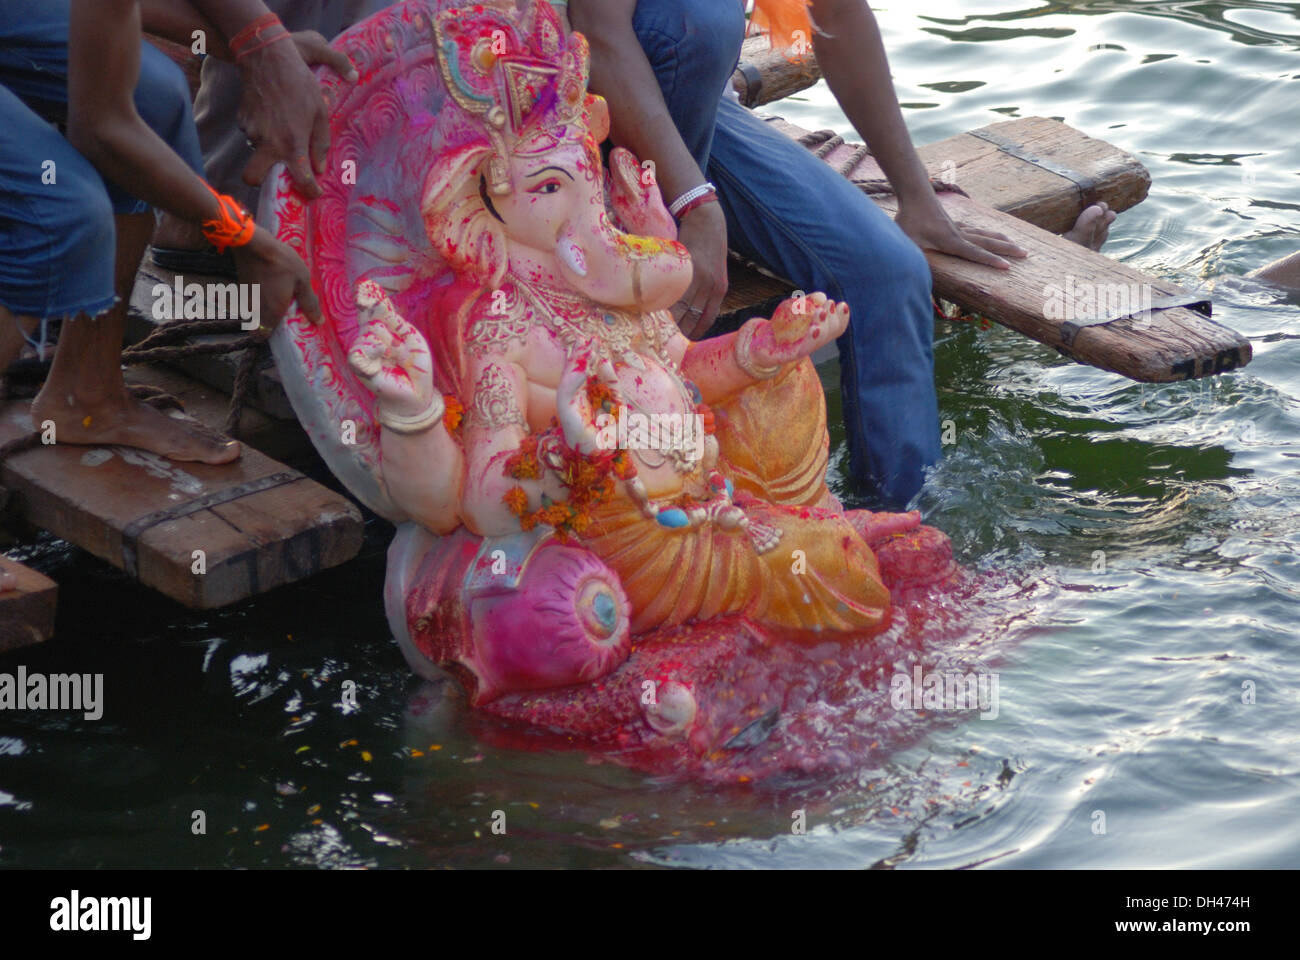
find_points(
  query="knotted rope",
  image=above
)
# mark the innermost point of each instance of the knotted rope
(823, 142)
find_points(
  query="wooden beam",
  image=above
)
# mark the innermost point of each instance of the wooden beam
(1038, 171)
(205, 536)
(27, 605)
(766, 74)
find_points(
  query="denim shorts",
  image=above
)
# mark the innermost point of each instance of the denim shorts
(57, 238)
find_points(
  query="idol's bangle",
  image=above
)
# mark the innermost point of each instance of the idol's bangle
(744, 359)
(417, 423)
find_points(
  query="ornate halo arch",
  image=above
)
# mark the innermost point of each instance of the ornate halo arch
(387, 131)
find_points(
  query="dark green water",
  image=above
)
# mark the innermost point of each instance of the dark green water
(1121, 691)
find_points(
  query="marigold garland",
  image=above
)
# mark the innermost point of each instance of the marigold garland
(590, 478)
(454, 415)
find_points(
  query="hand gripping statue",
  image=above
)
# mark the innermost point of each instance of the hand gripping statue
(500, 376)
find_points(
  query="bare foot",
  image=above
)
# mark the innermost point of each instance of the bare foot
(7, 581)
(130, 423)
(1284, 272)
(1093, 226)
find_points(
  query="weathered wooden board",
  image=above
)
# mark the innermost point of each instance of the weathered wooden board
(27, 607)
(257, 523)
(766, 74)
(1026, 190)
(1167, 345)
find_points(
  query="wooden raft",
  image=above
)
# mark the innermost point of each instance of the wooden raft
(258, 523)
(27, 608)
(1025, 178)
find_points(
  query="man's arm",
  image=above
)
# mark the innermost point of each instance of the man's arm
(852, 58)
(103, 70)
(176, 20)
(639, 120)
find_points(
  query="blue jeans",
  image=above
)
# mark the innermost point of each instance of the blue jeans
(57, 237)
(795, 215)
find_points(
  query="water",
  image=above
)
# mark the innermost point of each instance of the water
(1149, 534)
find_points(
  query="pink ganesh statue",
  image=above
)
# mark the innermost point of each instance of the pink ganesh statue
(498, 374)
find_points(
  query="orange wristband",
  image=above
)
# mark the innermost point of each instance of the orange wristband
(254, 33)
(233, 228)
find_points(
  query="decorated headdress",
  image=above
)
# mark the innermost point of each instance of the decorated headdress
(520, 77)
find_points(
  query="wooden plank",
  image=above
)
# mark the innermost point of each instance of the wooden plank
(992, 176)
(766, 74)
(275, 525)
(27, 605)
(1170, 345)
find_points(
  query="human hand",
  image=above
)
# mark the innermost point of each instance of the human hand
(930, 228)
(282, 111)
(390, 355)
(281, 277)
(704, 233)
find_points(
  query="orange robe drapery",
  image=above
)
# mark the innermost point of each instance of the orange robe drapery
(821, 576)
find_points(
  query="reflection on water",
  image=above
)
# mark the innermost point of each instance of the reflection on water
(1146, 537)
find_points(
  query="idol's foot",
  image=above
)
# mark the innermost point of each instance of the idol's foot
(127, 422)
(1093, 226)
(875, 527)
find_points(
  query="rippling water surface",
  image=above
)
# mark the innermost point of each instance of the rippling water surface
(1149, 534)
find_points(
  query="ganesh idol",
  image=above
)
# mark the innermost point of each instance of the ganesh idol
(498, 332)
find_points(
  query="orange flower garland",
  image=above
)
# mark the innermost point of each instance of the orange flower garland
(589, 477)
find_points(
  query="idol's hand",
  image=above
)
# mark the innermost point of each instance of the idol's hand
(390, 355)
(798, 328)
(573, 407)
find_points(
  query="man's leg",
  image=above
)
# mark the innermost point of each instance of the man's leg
(1284, 272)
(56, 229)
(63, 255)
(795, 215)
(693, 46)
(85, 395)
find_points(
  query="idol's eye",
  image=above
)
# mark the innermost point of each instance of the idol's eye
(547, 186)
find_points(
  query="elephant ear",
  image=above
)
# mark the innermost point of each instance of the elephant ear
(387, 130)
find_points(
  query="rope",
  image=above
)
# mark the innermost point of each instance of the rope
(160, 347)
(823, 142)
